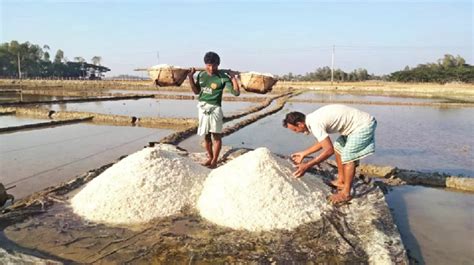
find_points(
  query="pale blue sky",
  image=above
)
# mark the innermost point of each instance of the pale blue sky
(264, 36)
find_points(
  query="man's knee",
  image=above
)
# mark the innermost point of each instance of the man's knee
(216, 136)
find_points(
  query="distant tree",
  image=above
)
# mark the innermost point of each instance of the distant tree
(447, 69)
(46, 52)
(35, 62)
(58, 58)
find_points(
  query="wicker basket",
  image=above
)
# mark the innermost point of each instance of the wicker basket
(257, 83)
(168, 76)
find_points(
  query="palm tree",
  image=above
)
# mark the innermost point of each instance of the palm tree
(96, 60)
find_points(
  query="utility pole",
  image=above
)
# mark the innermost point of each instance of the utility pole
(332, 64)
(19, 67)
(158, 56)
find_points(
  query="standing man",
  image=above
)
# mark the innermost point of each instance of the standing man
(210, 85)
(357, 140)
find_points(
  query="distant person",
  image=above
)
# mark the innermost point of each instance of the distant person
(357, 140)
(210, 85)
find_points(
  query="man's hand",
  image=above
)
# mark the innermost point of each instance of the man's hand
(297, 157)
(300, 170)
(232, 74)
(192, 70)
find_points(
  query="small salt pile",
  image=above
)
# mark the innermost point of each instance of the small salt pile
(257, 191)
(264, 74)
(160, 66)
(153, 182)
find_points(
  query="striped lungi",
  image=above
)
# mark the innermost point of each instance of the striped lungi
(210, 118)
(358, 144)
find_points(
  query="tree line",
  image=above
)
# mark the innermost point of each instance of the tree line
(446, 69)
(324, 74)
(26, 60)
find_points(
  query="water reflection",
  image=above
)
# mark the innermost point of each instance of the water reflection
(12, 120)
(14, 97)
(418, 138)
(354, 97)
(34, 160)
(436, 226)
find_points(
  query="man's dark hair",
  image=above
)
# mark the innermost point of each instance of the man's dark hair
(212, 58)
(293, 117)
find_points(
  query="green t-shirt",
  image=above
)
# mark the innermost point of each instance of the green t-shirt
(212, 87)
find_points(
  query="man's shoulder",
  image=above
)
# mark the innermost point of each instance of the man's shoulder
(223, 74)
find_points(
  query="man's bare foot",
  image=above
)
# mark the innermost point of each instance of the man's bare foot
(207, 163)
(340, 198)
(337, 184)
(213, 164)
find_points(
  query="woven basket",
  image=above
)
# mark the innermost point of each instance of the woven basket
(257, 83)
(168, 76)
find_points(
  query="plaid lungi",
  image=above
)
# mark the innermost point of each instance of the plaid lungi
(358, 144)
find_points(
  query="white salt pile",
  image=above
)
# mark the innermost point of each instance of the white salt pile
(264, 74)
(160, 66)
(257, 191)
(154, 182)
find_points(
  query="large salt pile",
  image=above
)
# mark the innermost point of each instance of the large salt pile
(257, 191)
(154, 182)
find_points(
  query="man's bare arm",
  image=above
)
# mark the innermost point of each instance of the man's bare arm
(299, 156)
(193, 85)
(328, 150)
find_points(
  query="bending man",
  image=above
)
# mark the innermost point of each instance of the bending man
(357, 140)
(210, 85)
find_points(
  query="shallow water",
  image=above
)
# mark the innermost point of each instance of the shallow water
(418, 138)
(355, 97)
(168, 92)
(149, 107)
(436, 225)
(149, 92)
(12, 120)
(36, 159)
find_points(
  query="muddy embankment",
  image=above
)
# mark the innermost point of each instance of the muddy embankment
(394, 176)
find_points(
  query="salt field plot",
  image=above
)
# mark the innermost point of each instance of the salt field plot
(147, 92)
(435, 225)
(149, 107)
(12, 120)
(310, 95)
(418, 138)
(34, 160)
